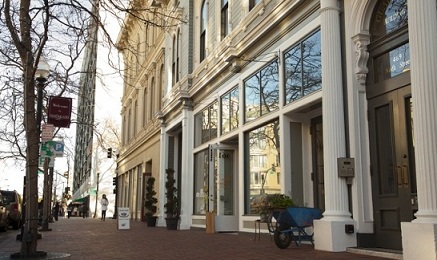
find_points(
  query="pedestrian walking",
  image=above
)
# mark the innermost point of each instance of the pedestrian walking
(104, 202)
(69, 210)
(84, 211)
(56, 210)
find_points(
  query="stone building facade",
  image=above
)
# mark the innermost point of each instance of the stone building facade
(229, 95)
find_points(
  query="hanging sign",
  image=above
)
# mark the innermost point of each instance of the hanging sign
(59, 112)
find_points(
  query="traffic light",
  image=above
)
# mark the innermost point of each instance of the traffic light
(114, 181)
(109, 152)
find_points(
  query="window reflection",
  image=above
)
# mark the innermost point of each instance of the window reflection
(230, 110)
(201, 182)
(303, 68)
(264, 165)
(205, 124)
(262, 92)
(393, 63)
(390, 16)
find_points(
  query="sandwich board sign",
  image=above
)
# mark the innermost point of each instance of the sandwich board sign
(123, 218)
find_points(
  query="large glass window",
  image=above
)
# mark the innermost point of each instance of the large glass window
(201, 182)
(303, 68)
(205, 124)
(262, 92)
(230, 110)
(262, 162)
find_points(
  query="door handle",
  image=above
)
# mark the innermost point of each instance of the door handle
(399, 175)
(405, 175)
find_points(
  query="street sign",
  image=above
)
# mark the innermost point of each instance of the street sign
(47, 131)
(42, 159)
(52, 148)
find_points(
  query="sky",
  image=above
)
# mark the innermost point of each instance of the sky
(107, 105)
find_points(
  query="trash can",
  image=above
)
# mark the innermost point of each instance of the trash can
(123, 218)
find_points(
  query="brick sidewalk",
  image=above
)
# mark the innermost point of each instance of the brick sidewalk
(80, 238)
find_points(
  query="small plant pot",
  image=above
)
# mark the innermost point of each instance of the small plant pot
(172, 223)
(151, 221)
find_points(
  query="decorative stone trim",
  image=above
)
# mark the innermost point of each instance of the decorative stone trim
(361, 57)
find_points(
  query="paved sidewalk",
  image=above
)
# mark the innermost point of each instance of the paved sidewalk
(78, 238)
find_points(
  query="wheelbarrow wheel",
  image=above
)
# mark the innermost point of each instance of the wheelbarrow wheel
(282, 239)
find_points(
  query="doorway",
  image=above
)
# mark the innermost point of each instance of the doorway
(392, 165)
(222, 188)
(318, 176)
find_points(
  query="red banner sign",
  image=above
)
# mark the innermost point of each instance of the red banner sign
(59, 111)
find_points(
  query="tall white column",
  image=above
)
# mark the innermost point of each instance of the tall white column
(163, 150)
(329, 232)
(186, 164)
(419, 237)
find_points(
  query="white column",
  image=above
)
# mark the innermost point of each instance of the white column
(329, 232)
(186, 164)
(163, 150)
(419, 237)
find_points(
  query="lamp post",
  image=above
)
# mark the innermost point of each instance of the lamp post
(30, 187)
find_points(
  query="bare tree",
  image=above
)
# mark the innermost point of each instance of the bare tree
(57, 31)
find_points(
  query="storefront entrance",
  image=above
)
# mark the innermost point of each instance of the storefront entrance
(222, 188)
(392, 162)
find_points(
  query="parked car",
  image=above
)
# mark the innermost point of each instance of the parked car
(4, 221)
(12, 201)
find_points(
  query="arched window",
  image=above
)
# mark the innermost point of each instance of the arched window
(145, 107)
(224, 26)
(161, 86)
(152, 99)
(135, 117)
(252, 4)
(203, 23)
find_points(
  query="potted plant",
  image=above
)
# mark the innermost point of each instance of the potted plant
(265, 204)
(150, 202)
(171, 206)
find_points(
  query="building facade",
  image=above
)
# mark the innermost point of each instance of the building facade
(273, 96)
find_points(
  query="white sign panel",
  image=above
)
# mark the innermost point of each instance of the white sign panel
(47, 132)
(123, 218)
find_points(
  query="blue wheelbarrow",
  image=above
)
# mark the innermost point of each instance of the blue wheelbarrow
(291, 223)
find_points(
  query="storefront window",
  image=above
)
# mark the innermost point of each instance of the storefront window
(205, 124)
(262, 156)
(201, 182)
(230, 110)
(303, 68)
(262, 92)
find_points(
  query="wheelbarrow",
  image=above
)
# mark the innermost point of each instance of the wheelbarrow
(291, 224)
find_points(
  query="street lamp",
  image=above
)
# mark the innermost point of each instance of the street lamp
(28, 214)
(41, 74)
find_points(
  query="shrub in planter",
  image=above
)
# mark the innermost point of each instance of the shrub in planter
(171, 206)
(150, 202)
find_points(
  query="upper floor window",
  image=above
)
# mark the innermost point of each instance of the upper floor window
(262, 92)
(230, 110)
(203, 24)
(252, 3)
(303, 68)
(173, 65)
(224, 26)
(152, 99)
(205, 124)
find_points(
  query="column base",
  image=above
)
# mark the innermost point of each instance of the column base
(330, 235)
(419, 240)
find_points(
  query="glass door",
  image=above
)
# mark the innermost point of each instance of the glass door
(222, 189)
